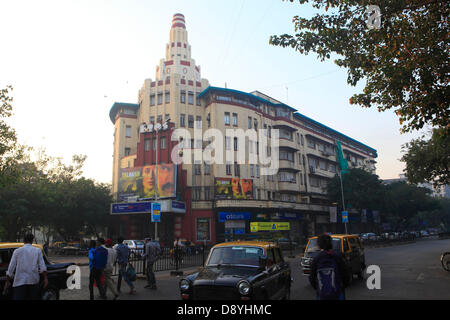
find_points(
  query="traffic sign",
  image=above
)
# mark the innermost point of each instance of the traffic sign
(156, 212)
(344, 216)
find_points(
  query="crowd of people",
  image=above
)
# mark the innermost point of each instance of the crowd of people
(103, 257)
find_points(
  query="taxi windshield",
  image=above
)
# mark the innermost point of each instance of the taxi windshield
(313, 245)
(236, 255)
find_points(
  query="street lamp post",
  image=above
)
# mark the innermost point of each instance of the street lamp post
(157, 129)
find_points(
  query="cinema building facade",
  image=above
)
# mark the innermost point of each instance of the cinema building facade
(214, 202)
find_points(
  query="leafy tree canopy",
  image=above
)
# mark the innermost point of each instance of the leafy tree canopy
(405, 62)
(428, 160)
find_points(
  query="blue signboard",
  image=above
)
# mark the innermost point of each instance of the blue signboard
(178, 206)
(224, 216)
(344, 216)
(239, 231)
(131, 207)
(290, 216)
(156, 212)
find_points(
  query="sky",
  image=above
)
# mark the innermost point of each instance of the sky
(69, 61)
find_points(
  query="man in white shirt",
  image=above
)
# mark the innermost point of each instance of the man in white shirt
(25, 266)
(112, 257)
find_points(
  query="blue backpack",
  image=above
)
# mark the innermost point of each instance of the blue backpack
(328, 281)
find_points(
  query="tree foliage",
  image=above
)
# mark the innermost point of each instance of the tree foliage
(405, 62)
(428, 160)
(362, 190)
(401, 204)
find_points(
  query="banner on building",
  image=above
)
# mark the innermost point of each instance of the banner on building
(142, 182)
(233, 188)
(269, 226)
(333, 214)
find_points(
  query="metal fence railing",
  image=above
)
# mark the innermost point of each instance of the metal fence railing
(170, 259)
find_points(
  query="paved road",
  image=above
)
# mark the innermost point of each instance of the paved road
(410, 271)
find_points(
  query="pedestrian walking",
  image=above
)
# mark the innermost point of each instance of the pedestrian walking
(152, 253)
(329, 273)
(45, 247)
(100, 260)
(26, 265)
(123, 254)
(111, 261)
(92, 246)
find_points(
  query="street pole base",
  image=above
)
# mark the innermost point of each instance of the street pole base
(176, 273)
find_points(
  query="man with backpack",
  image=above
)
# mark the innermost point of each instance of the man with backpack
(152, 253)
(329, 273)
(123, 254)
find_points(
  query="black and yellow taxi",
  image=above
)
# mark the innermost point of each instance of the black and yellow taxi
(348, 245)
(240, 270)
(56, 273)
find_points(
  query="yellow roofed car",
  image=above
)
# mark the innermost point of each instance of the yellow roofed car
(56, 273)
(349, 246)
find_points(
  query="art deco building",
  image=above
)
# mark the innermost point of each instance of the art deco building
(229, 200)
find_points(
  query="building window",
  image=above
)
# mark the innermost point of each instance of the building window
(252, 170)
(166, 117)
(182, 120)
(196, 193)
(127, 151)
(152, 120)
(237, 169)
(190, 121)
(208, 193)
(311, 143)
(159, 119)
(154, 144)
(235, 144)
(147, 144)
(227, 143)
(199, 144)
(227, 118)
(249, 122)
(208, 118)
(332, 168)
(228, 169)
(235, 119)
(320, 147)
(268, 195)
(128, 131)
(257, 171)
(258, 193)
(203, 229)
(207, 168)
(323, 165)
(198, 102)
(163, 142)
(183, 97)
(255, 124)
(190, 97)
(301, 138)
(198, 122)
(198, 169)
(167, 96)
(152, 99)
(160, 97)
(286, 177)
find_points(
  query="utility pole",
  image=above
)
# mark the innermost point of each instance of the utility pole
(156, 197)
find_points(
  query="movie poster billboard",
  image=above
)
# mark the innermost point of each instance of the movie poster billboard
(233, 188)
(141, 182)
